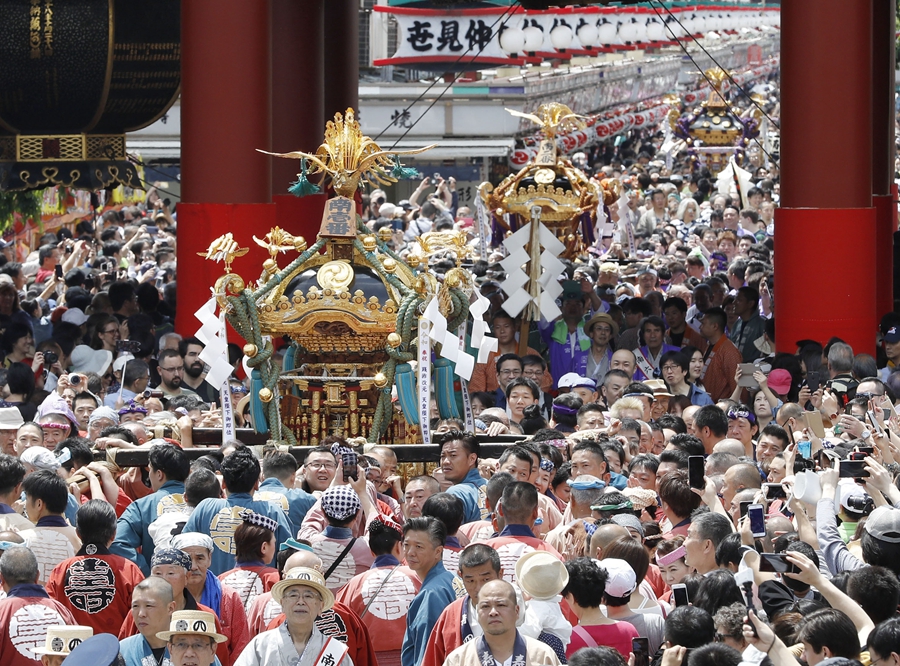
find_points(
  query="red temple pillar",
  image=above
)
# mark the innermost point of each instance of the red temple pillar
(883, 44)
(825, 252)
(225, 117)
(342, 64)
(298, 106)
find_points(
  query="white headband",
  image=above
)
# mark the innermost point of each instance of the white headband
(189, 539)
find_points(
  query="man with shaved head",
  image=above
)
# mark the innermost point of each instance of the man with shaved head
(605, 535)
(497, 613)
(738, 477)
(728, 445)
(152, 605)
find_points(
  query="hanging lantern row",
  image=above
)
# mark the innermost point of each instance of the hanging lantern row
(463, 38)
(579, 30)
(614, 122)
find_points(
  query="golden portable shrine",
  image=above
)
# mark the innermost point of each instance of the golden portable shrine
(568, 199)
(715, 131)
(350, 306)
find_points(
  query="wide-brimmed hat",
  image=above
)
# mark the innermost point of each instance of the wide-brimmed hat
(85, 359)
(74, 316)
(659, 388)
(541, 575)
(602, 318)
(198, 623)
(10, 418)
(304, 576)
(62, 639)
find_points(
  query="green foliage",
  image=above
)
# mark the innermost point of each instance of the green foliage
(27, 204)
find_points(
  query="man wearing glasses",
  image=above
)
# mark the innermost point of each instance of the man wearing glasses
(509, 367)
(303, 596)
(318, 470)
(192, 638)
(171, 375)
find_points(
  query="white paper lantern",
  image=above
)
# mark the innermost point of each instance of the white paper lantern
(656, 31)
(534, 38)
(512, 40)
(673, 28)
(633, 31)
(561, 37)
(606, 32)
(699, 24)
(588, 35)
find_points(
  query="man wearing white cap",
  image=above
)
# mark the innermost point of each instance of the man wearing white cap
(192, 638)
(501, 643)
(583, 387)
(303, 596)
(620, 585)
(10, 420)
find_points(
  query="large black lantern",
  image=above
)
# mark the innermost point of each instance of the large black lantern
(75, 75)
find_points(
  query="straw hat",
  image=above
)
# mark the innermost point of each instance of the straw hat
(659, 388)
(304, 576)
(61, 640)
(541, 575)
(199, 623)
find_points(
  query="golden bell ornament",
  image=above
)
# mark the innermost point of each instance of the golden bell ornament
(384, 234)
(369, 243)
(380, 380)
(394, 340)
(250, 350)
(266, 395)
(389, 265)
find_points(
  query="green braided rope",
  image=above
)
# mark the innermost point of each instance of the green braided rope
(375, 261)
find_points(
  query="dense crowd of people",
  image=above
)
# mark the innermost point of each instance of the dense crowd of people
(678, 493)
